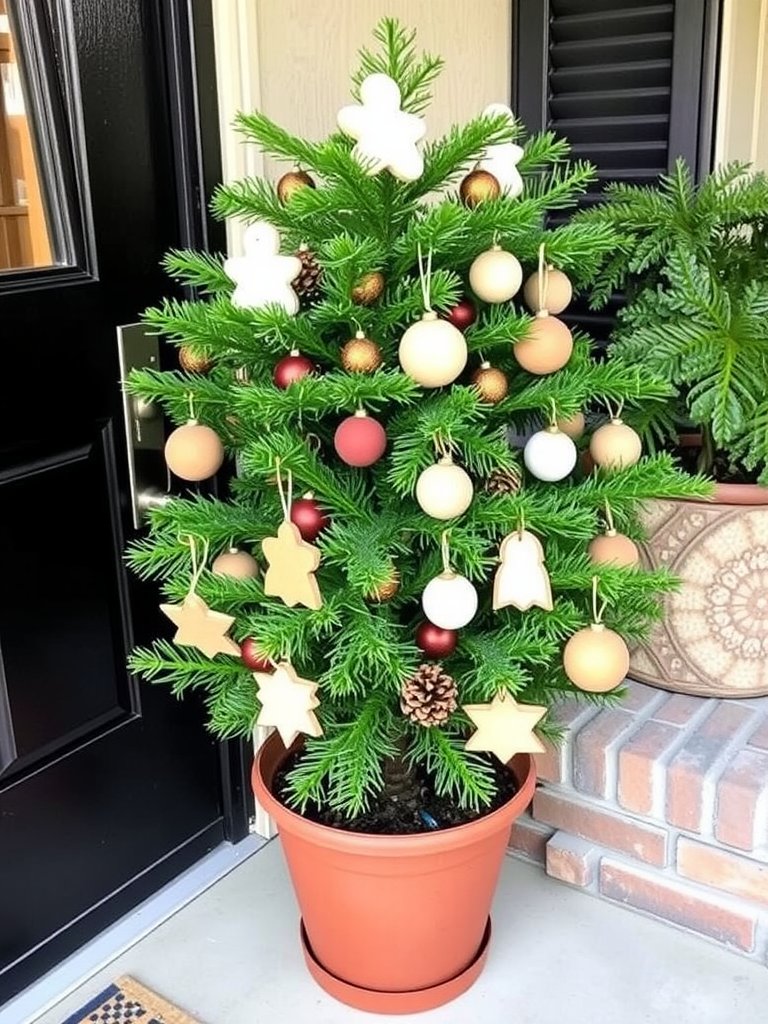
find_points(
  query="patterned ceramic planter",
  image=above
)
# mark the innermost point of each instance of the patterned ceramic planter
(713, 640)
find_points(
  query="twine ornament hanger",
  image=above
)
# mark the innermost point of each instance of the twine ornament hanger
(542, 281)
(425, 277)
(597, 612)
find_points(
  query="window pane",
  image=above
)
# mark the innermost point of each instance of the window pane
(25, 237)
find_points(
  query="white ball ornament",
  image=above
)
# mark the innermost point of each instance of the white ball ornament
(449, 601)
(615, 445)
(444, 490)
(495, 275)
(386, 135)
(550, 454)
(432, 351)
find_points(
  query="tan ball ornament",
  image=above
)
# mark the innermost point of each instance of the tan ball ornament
(573, 426)
(235, 563)
(360, 354)
(194, 452)
(386, 590)
(615, 445)
(612, 548)
(491, 383)
(546, 347)
(596, 659)
(444, 490)
(495, 275)
(432, 351)
(550, 291)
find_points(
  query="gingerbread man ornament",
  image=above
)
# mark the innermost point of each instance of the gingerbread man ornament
(501, 161)
(262, 276)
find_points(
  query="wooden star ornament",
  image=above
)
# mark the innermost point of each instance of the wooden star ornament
(198, 626)
(288, 703)
(504, 727)
(292, 564)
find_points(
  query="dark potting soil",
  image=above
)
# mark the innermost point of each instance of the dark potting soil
(414, 809)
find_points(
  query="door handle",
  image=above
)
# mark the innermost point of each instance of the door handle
(144, 427)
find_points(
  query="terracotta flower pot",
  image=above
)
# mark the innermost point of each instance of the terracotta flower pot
(713, 641)
(393, 924)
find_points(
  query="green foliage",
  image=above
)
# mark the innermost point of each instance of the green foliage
(361, 651)
(694, 263)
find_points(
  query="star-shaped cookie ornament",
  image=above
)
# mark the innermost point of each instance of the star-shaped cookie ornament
(501, 160)
(504, 727)
(262, 275)
(198, 626)
(292, 564)
(288, 703)
(386, 135)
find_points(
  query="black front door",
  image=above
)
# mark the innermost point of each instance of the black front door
(106, 789)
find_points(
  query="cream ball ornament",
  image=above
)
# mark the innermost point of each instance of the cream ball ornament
(550, 291)
(235, 563)
(596, 659)
(444, 490)
(432, 351)
(615, 445)
(194, 451)
(546, 347)
(449, 600)
(495, 275)
(612, 548)
(549, 454)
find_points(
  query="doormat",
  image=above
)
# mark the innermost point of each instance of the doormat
(128, 1002)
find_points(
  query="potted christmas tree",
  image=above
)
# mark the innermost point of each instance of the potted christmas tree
(692, 262)
(394, 586)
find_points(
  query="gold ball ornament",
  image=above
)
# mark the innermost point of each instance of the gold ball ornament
(596, 659)
(444, 490)
(235, 563)
(193, 361)
(556, 291)
(291, 183)
(612, 548)
(368, 288)
(573, 426)
(495, 275)
(360, 354)
(386, 590)
(477, 187)
(615, 446)
(194, 452)
(491, 383)
(432, 351)
(546, 347)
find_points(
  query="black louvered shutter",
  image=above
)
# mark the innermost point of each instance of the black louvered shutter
(631, 85)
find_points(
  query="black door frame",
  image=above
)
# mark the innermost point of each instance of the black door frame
(189, 65)
(186, 82)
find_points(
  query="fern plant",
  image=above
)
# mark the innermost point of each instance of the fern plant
(693, 263)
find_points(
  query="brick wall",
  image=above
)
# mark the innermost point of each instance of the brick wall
(661, 805)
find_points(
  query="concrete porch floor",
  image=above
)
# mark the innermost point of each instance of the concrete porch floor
(232, 957)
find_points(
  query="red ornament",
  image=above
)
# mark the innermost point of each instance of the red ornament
(462, 315)
(360, 440)
(253, 658)
(292, 367)
(436, 642)
(309, 517)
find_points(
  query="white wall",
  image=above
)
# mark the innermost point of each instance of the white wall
(742, 110)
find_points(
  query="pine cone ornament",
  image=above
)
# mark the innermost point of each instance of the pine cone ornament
(308, 283)
(429, 697)
(504, 481)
